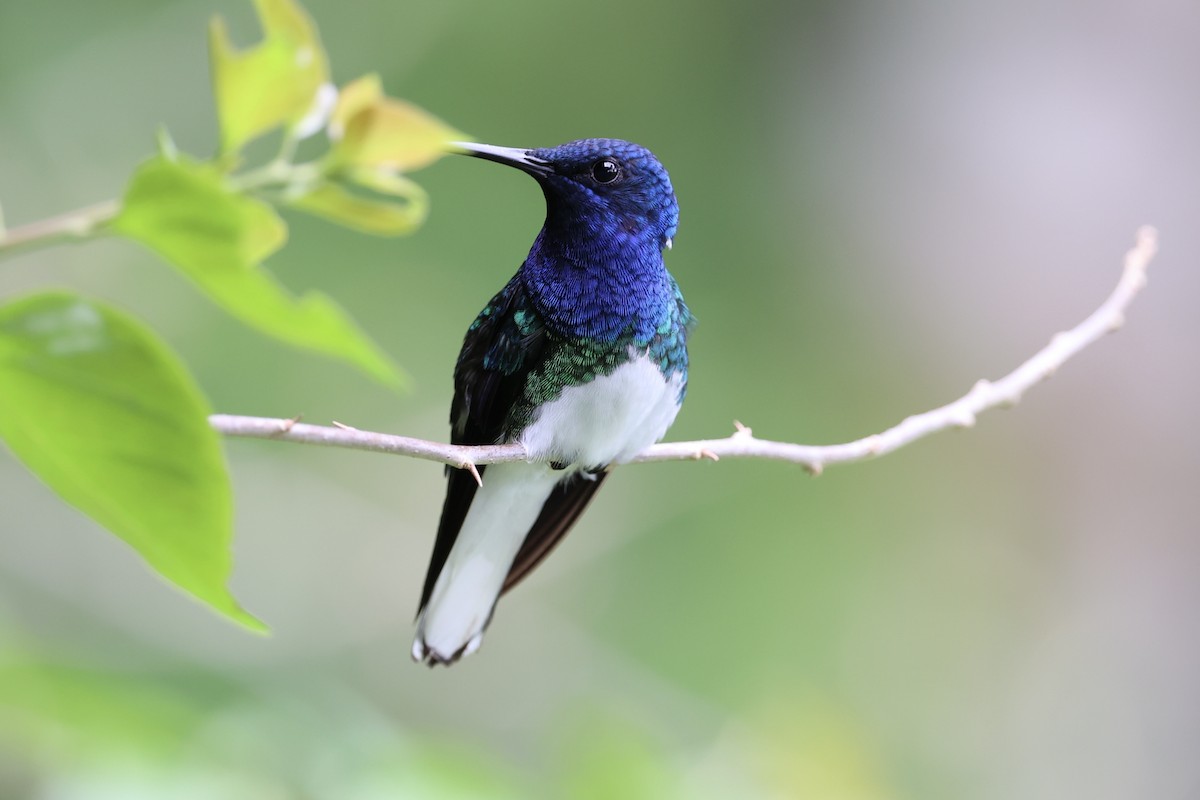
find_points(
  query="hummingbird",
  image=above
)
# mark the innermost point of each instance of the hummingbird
(581, 358)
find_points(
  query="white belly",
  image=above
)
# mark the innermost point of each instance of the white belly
(607, 420)
(602, 422)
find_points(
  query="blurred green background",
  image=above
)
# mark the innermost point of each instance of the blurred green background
(881, 203)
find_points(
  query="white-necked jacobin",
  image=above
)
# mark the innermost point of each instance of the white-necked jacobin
(582, 358)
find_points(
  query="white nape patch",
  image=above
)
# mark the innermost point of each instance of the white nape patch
(607, 420)
(501, 514)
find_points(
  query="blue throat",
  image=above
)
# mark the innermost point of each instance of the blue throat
(594, 278)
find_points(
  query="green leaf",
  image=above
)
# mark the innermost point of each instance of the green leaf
(188, 214)
(333, 202)
(370, 129)
(107, 416)
(185, 211)
(612, 757)
(52, 707)
(272, 83)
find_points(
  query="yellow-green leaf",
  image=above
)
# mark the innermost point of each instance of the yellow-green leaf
(91, 709)
(185, 211)
(107, 416)
(380, 217)
(313, 320)
(273, 83)
(370, 129)
(385, 181)
(356, 96)
(188, 214)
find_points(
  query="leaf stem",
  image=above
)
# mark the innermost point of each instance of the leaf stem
(74, 225)
(85, 223)
(277, 174)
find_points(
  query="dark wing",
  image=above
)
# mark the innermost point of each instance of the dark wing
(506, 342)
(566, 502)
(502, 345)
(572, 495)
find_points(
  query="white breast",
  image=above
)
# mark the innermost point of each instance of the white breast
(607, 420)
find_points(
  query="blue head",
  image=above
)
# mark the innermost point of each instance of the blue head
(596, 268)
(598, 187)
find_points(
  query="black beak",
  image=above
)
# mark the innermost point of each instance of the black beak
(512, 156)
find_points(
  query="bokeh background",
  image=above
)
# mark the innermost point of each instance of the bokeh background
(881, 203)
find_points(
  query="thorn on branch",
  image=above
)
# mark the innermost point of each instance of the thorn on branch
(289, 423)
(814, 468)
(342, 426)
(705, 453)
(470, 467)
(964, 419)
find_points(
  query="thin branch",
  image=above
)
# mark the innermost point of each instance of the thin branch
(288, 430)
(78, 224)
(87, 222)
(961, 413)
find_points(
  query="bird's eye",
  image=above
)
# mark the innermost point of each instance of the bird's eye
(606, 170)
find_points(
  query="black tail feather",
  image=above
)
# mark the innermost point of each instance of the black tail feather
(566, 502)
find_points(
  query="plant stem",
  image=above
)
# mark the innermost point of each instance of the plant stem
(277, 174)
(74, 225)
(86, 222)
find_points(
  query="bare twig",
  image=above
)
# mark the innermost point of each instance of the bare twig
(742, 443)
(287, 430)
(73, 225)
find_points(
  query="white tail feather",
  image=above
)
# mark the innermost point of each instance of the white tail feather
(466, 590)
